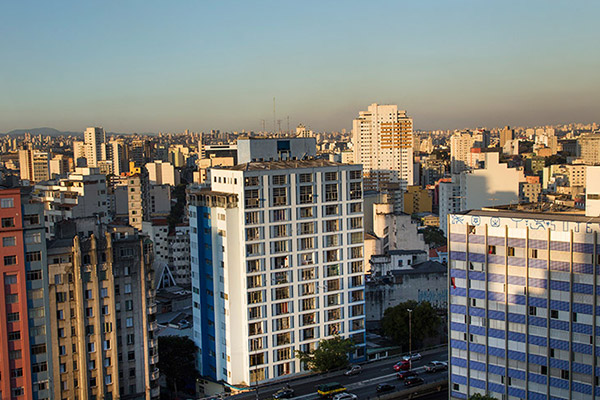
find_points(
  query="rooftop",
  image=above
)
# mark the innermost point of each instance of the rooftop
(548, 211)
(276, 165)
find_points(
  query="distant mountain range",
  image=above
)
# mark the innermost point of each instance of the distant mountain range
(55, 132)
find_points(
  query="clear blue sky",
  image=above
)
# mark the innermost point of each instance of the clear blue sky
(150, 66)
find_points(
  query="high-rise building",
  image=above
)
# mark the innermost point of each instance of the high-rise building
(82, 194)
(34, 165)
(119, 157)
(382, 139)
(506, 135)
(138, 197)
(588, 148)
(460, 147)
(24, 320)
(523, 303)
(59, 166)
(160, 173)
(102, 313)
(94, 146)
(277, 264)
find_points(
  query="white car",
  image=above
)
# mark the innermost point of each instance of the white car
(435, 366)
(413, 357)
(353, 370)
(345, 396)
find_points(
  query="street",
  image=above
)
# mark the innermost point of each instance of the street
(363, 385)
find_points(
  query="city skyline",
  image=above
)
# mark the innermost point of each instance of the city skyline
(218, 66)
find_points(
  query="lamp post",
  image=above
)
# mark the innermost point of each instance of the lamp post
(409, 338)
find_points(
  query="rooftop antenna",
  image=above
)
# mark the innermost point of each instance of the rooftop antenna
(274, 118)
(288, 125)
(279, 128)
(263, 125)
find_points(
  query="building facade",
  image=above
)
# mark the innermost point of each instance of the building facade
(523, 303)
(94, 146)
(277, 265)
(102, 314)
(24, 320)
(382, 140)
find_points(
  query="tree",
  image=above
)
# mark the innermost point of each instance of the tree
(177, 360)
(176, 214)
(478, 396)
(434, 237)
(425, 323)
(330, 354)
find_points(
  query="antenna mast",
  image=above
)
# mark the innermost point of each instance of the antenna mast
(274, 119)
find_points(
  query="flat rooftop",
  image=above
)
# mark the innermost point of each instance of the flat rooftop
(548, 211)
(275, 165)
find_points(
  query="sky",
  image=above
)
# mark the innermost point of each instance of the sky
(150, 66)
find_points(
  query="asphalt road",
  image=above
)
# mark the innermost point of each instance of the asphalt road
(363, 384)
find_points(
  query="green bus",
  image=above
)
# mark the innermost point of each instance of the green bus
(330, 389)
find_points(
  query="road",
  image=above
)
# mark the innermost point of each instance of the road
(363, 384)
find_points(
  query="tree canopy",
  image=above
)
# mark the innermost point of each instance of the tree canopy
(177, 361)
(425, 323)
(330, 354)
(434, 237)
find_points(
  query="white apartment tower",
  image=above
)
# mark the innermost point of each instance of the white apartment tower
(277, 265)
(94, 145)
(382, 142)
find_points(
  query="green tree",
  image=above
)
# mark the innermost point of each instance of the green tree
(176, 214)
(177, 360)
(434, 237)
(330, 354)
(425, 323)
(478, 396)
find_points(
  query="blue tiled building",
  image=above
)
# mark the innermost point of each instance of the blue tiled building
(523, 304)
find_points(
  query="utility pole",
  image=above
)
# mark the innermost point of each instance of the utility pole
(409, 338)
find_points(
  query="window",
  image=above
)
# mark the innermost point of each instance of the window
(306, 194)
(12, 317)
(12, 298)
(564, 374)
(331, 210)
(91, 347)
(33, 256)
(331, 192)
(10, 279)
(9, 241)
(127, 288)
(331, 176)
(533, 253)
(33, 238)
(129, 322)
(8, 222)
(251, 181)
(35, 275)
(511, 251)
(39, 367)
(305, 178)
(306, 212)
(252, 198)
(7, 203)
(532, 310)
(15, 335)
(14, 354)
(491, 249)
(89, 329)
(355, 191)
(354, 208)
(554, 314)
(10, 260)
(38, 349)
(544, 370)
(279, 179)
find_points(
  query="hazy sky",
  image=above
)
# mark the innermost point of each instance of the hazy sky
(150, 66)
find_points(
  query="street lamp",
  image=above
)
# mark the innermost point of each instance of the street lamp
(409, 338)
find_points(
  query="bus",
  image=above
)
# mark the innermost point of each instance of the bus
(330, 389)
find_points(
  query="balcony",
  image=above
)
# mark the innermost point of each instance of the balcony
(152, 309)
(154, 359)
(155, 392)
(155, 374)
(152, 326)
(152, 343)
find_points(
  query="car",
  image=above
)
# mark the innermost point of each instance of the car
(435, 366)
(384, 387)
(345, 396)
(414, 381)
(402, 366)
(285, 393)
(412, 357)
(406, 374)
(353, 370)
